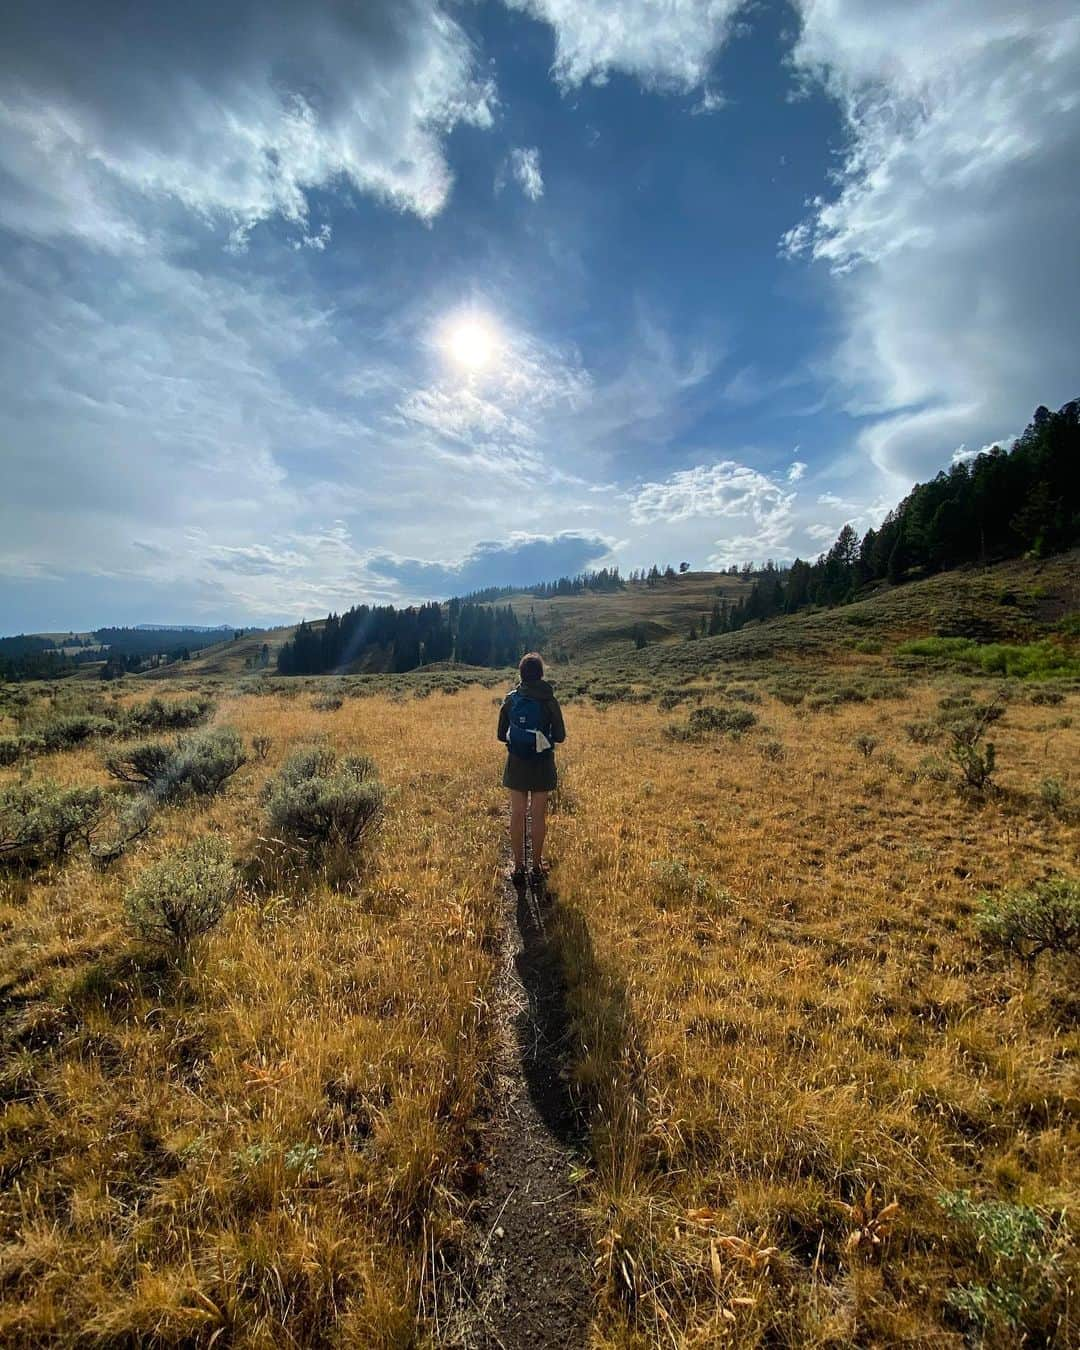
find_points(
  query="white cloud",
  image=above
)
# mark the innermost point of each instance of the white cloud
(726, 488)
(962, 454)
(796, 470)
(233, 114)
(666, 44)
(709, 102)
(525, 166)
(950, 240)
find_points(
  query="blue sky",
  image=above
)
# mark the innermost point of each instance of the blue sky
(309, 305)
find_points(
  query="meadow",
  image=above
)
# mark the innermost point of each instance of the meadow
(827, 1101)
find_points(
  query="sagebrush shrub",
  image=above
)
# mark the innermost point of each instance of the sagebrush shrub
(673, 880)
(157, 715)
(45, 821)
(965, 728)
(200, 765)
(262, 745)
(317, 801)
(1028, 921)
(742, 694)
(866, 744)
(1052, 794)
(144, 762)
(710, 719)
(184, 895)
(60, 733)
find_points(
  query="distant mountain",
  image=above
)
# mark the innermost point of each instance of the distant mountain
(187, 628)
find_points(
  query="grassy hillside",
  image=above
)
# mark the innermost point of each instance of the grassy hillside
(578, 627)
(1010, 602)
(230, 659)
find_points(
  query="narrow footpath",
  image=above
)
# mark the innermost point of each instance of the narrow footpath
(528, 1284)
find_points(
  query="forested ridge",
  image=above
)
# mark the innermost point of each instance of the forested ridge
(1001, 504)
(384, 638)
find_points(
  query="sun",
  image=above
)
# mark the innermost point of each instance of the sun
(471, 341)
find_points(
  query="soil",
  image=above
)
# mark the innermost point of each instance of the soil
(529, 1276)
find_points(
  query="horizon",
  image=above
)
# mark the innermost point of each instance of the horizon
(309, 310)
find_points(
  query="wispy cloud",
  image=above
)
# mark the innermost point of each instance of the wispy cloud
(525, 166)
(667, 46)
(957, 285)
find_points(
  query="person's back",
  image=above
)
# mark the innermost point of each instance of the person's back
(530, 725)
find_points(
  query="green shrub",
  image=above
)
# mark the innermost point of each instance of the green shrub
(742, 694)
(922, 733)
(1026, 922)
(1052, 794)
(866, 744)
(332, 702)
(965, 728)
(157, 715)
(123, 821)
(184, 895)
(262, 745)
(61, 733)
(710, 720)
(10, 750)
(672, 880)
(933, 768)
(200, 765)
(1032, 660)
(44, 821)
(317, 802)
(1011, 1246)
(145, 762)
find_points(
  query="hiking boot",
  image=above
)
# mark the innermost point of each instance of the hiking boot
(516, 876)
(539, 873)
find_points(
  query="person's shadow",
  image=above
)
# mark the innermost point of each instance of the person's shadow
(543, 1027)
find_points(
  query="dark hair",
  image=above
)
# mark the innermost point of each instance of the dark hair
(530, 667)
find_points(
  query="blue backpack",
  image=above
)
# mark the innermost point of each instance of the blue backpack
(530, 726)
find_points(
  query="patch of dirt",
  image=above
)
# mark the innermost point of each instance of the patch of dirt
(528, 1270)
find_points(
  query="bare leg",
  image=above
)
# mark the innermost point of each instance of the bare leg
(518, 802)
(538, 825)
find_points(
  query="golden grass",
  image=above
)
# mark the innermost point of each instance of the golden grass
(778, 1041)
(270, 1144)
(805, 1015)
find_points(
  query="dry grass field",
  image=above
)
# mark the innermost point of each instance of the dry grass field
(267, 1143)
(822, 1110)
(788, 1027)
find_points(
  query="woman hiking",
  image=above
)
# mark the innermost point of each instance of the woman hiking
(530, 726)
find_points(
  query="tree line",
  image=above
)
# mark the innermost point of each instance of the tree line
(384, 638)
(1002, 504)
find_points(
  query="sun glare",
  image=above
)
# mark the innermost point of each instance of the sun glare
(471, 342)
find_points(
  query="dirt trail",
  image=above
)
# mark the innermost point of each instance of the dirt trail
(529, 1279)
